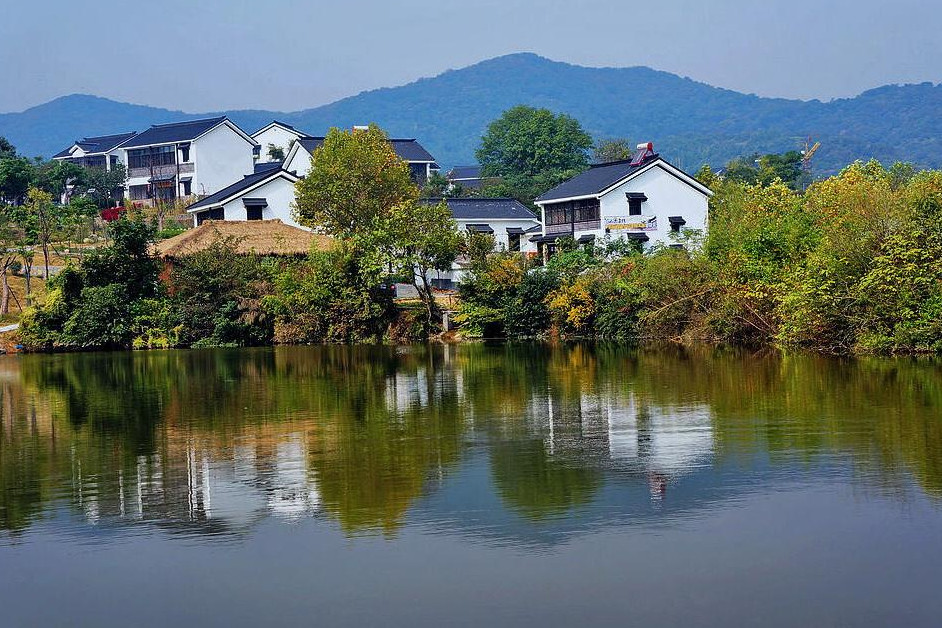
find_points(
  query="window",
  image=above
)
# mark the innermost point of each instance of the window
(253, 213)
(513, 241)
(635, 199)
(585, 210)
(187, 187)
(139, 192)
(185, 153)
(154, 156)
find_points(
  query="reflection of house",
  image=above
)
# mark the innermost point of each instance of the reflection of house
(421, 163)
(667, 441)
(267, 194)
(507, 220)
(644, 199)
(169, 161)
(278, 135)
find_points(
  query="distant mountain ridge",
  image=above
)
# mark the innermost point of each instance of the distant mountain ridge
(690, 122)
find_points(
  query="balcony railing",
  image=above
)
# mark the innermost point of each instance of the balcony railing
(159, 171)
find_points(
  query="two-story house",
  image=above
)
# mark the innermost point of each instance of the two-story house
(421, 163)
(95, 152)
(196, 157)
(645, 199)
(278, 135)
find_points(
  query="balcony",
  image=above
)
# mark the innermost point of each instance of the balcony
(162, 171)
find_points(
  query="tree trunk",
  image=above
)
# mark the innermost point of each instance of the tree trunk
(5, 297)
(46, 258)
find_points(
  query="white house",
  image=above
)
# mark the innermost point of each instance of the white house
(645, 199)
(421, 163)
(200, 157)
(507, 220)
(95, 152)
(264, 195)
(277, 134)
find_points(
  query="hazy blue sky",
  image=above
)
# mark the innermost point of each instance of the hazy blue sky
(200, 55)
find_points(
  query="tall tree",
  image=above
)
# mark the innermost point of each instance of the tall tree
(531, 150)
(355, 180)
(43, 217)
(427, 240)
(16, 173)
(7, 150)
(103, 185)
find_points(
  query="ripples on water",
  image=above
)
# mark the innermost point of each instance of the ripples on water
(527, 448)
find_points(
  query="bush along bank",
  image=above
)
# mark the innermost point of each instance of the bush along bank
(122, 297)
(852, 265)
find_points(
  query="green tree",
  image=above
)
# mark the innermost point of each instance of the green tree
(43, 217)
(606, 151)
(532, 150)
(428, 240)
(104, 186)
(16, 173)
(55, 176)
(7, 150)
(276, 153)
(355, 180)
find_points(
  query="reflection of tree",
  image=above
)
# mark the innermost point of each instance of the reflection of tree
(372, 428)
(536, 485)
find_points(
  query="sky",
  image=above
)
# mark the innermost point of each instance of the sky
(287, 55)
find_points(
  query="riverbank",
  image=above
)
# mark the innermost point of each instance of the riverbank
(851, 266)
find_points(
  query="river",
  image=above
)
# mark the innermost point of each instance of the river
(469, 485)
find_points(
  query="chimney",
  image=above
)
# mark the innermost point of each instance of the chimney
(645, 153)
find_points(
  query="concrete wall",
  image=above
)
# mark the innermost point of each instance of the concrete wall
(222, 157)
(299, 163)
(277, 136)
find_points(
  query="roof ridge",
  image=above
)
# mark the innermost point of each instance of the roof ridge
(182, 122)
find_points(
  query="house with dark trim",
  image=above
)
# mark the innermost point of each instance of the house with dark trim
(277, 134)
(264, 195)
(467, 177)
(507, 220)
(96, 152)
(644, 199)
(181, 159)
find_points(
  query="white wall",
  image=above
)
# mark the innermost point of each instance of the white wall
(274, 135)
(221, 158)
(667, 196)
(280, 196)
(299, 163)
(501, 237)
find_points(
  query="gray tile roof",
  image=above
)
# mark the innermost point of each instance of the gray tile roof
(464, 172)
(593, 181)
(244, 184)
(407, 149)
(174, 132)
(485, 208)
(265, 166)
(98, 144)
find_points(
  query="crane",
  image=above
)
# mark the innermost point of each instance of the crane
(808, 153)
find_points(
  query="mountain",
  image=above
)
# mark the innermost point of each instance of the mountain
(690, 122)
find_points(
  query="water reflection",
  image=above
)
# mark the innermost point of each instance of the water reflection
(499, 441)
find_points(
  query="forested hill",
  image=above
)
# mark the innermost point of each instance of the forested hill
(690, 122)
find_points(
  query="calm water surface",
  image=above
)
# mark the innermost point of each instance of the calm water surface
(469, 486)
